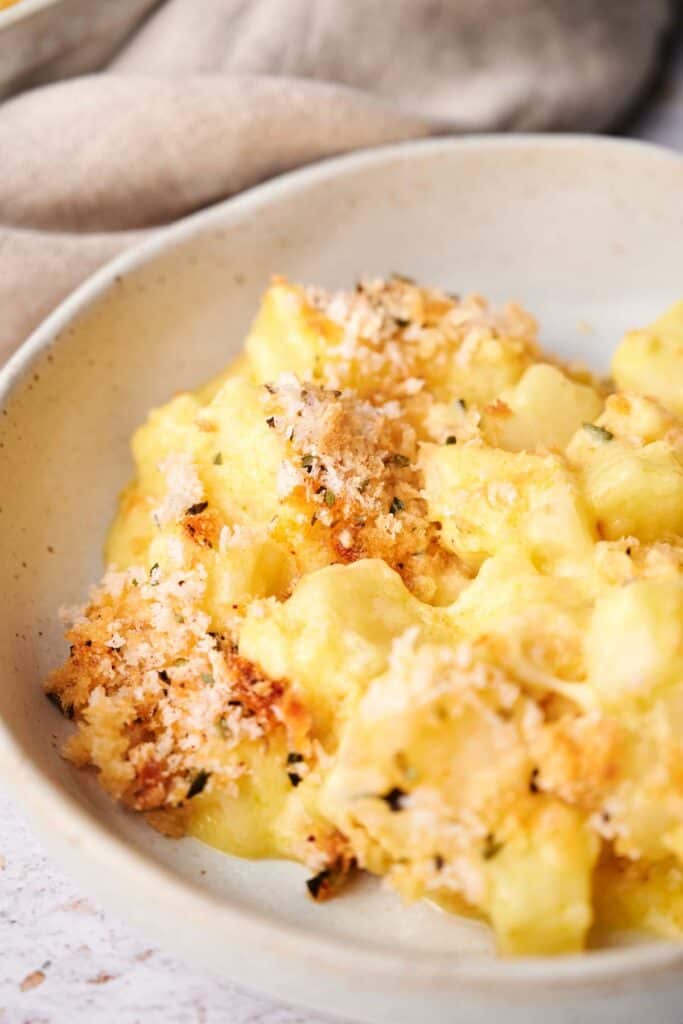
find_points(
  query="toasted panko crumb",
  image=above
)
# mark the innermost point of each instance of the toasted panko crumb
(160, 700)
(357, 468)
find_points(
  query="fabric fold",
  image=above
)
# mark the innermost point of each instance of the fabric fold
(205, 100)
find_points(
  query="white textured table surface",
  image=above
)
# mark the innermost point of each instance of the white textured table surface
(65, 961)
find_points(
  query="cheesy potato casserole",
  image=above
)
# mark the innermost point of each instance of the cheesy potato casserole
(399, 592)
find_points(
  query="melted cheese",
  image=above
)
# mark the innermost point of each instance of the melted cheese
(399, 591)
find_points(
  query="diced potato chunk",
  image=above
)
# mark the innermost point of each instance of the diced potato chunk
(489, 501)
(635, 642)
(509, 598)
(636, 417)
(542, 410)
(635, 492)
(335, 633)
(167, 430)
(540, 884)
(132, 531)
(640, 896)
(243, 487)
(650, 361)
(288, 336)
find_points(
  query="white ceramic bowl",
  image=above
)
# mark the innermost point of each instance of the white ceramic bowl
(589, 234)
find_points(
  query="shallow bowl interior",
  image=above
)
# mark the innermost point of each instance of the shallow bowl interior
(587, 234)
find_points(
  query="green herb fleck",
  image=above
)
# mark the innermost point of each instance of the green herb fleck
(598, 433)
(460, 404)
(363, 485)
(64, 709)
(396, 506)
(294, 778)
(153, 581)
(218, 459)
(194, 510)
(223, 726)
(491, 847)
(319, 883)
(396, 459)
(294, 758)
(207, 678)
(401, 321)
(451, 439)
(198, 783)
(403, 278)
(330, 498)
(394, 799)
(308, 461)
(408, 770)
(134, 582)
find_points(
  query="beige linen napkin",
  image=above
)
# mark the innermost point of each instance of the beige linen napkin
(208, 97)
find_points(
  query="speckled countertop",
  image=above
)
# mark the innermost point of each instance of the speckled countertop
(63, 960)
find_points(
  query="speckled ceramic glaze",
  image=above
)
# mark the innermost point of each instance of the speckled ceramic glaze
(589, 234)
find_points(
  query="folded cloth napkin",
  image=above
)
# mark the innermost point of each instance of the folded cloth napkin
(206, 99)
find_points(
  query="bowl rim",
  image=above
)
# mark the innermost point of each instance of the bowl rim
(53, 810)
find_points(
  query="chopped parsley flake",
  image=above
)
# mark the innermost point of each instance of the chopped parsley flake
(396, 459)
(198, 783)
(318, 883)
(598, 433)
(451, 439)
(403, 278)
(396, 505)
(223, 726)
(394, 799)
(194, 510)
(64, 709)
(491, 847)
(218, 459)
(330, 498)
(207, 678)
